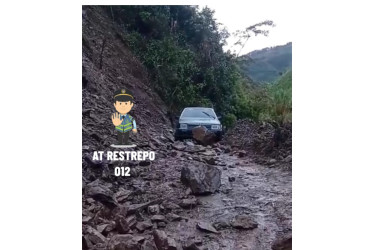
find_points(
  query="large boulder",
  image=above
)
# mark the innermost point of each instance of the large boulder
(202, 135)
(201, 178)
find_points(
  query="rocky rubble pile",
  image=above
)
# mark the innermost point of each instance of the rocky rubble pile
(268, 143)
(131, 213)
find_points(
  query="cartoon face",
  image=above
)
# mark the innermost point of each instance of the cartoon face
(123, 107)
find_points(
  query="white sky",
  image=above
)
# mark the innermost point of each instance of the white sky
(238, 16)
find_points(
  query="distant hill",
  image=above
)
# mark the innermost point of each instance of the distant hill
(267, 65)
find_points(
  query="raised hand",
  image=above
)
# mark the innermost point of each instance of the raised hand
(116, 119)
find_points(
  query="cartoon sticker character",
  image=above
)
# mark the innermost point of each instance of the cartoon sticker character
(123, 122)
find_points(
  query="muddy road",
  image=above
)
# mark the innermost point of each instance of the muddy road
(260, 194)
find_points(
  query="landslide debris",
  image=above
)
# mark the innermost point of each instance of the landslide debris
(267, 143)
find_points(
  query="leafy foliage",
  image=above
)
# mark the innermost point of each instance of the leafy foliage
(281, 95)
(182, 48)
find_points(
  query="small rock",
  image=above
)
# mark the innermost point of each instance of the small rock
(210, 160)
(226, 190)
(136, 207)
(231, 178)
(190, 245)
(101, 228)
(173, 153)
(147, 245)
(143, 225)
(158, 217)
(178, 146)
(94, 236)
(243, 222)
(163, 242)
(161, 224)
(100, 192)
(110, 227)
(154, 209)
(86, 219)
(242, 153)
(288, 158)
(139, 238)
(171, 206)
(124, 225)
(188, 203)
(283, 243)
(122, 195)
(123, 241)
(86, 243)
(204, 226)
(90, 200)
(209, 153)
(173, 217)
(221, 224)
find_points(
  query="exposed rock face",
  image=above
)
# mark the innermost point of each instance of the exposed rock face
(202, 135)
(201, 178)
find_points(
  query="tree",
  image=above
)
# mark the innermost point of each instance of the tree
(253, 30)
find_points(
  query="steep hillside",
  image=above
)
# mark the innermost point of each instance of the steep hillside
(268, 64)
(107, 66)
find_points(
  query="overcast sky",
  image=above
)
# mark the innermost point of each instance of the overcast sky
(236, 16)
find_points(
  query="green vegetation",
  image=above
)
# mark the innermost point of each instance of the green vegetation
(281, 99)
(268, 64)
(181, 46)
